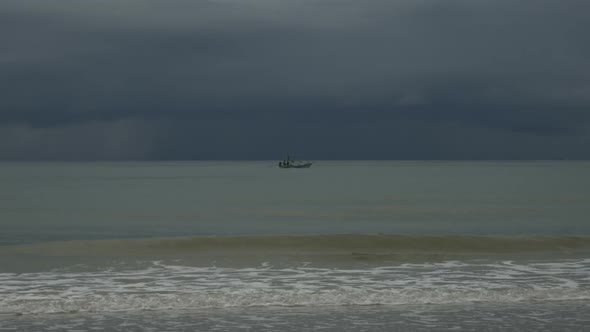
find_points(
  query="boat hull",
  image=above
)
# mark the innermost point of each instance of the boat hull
(306, 165)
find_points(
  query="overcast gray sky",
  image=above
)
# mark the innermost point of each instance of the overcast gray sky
(322, 79)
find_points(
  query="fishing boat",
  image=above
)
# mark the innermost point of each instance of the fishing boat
(290, 163)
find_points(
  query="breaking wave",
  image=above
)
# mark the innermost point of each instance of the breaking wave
(174, 287)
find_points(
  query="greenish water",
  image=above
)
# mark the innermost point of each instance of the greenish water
(65, 201)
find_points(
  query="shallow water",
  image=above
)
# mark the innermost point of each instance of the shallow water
(537, 316)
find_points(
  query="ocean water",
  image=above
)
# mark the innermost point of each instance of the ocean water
(342, 246)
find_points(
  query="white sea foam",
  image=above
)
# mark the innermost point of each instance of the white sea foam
(161, 286)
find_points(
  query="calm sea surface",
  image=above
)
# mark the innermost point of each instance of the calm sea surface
(342, 246)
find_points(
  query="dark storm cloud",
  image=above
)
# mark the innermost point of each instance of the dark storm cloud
(328, 78)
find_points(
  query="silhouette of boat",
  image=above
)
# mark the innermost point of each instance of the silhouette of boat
(290, 163)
